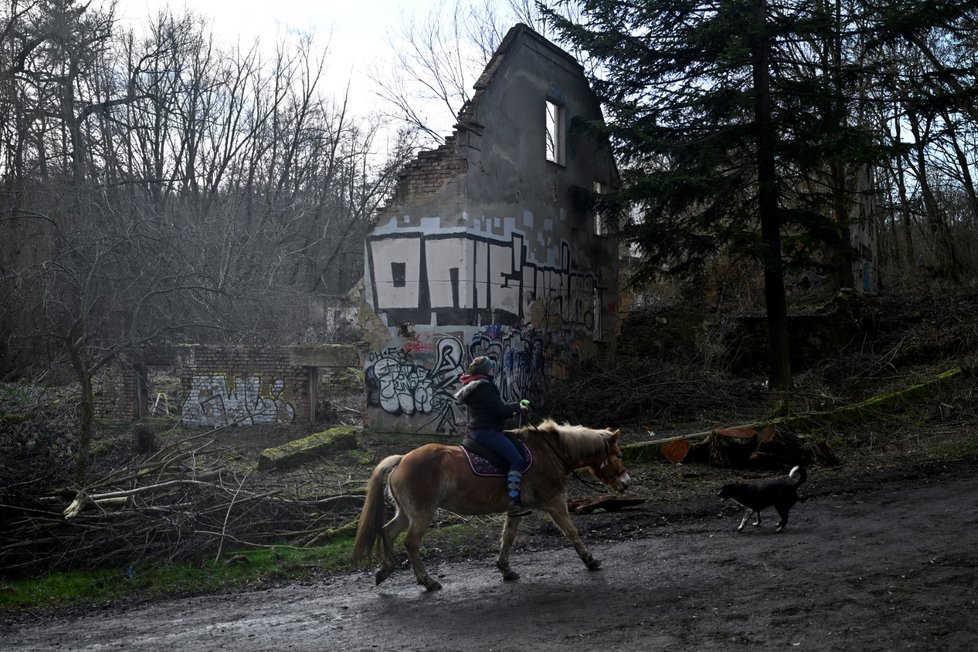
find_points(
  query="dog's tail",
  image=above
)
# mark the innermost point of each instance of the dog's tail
(798, 474)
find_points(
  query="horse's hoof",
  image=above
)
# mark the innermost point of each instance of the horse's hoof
(594, 564)
(511, 576)
(432, 585)
(382, 575)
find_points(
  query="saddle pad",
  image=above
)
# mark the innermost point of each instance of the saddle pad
(483, 467)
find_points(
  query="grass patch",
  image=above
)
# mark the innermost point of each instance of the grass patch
(965, 449)
(358, 456)
(16, 395)
(465, 536)
(241, 570)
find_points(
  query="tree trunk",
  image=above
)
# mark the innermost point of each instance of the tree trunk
(904, 202)
(840, 247)
(86, 428)
(937, 224)
(779, 375)
(964, 168)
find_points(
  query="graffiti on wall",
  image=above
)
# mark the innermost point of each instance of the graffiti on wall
(212, 403)
(418, 380)
(400, 384)
(519, 356)
(440, 279)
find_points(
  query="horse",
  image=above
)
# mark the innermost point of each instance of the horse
(439, 475)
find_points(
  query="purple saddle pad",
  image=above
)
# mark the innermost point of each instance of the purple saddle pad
(482, 466)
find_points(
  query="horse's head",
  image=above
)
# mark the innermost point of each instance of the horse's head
(611, 468)
(582, 447)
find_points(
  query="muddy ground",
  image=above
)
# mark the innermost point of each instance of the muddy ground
(879, 559)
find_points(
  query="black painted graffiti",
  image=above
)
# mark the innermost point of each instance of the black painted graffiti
(399, 384)
(459, 279)
(519, 359)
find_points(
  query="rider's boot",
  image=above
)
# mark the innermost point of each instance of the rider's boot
(515, 508)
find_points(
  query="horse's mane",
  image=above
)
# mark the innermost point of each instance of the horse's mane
(576, 440)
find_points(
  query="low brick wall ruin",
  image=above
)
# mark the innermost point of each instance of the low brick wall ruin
(243, 385)
(220, 386)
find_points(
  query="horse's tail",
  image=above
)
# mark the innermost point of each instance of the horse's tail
(369, 539)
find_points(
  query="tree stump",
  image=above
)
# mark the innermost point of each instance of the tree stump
(823, 454)
(732, 447)
(780, 449)
(675, 451)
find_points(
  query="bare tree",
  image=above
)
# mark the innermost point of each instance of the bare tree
(932, 129)
(155, 186)
(438, 57)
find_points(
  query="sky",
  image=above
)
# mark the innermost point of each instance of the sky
(356, 30)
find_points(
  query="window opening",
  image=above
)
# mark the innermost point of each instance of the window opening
(599, 226)
(555, 132)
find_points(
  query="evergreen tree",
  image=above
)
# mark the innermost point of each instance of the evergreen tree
(741, 126)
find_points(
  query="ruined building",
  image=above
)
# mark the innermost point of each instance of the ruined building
(486, 248)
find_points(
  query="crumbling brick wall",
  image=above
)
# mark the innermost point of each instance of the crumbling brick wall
(119, 393)
(430, 171)
(244, 385)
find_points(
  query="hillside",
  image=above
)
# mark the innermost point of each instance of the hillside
(190, 483)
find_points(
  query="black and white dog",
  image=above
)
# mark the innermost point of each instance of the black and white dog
(779, 494)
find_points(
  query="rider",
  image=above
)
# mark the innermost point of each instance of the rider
(486, 414)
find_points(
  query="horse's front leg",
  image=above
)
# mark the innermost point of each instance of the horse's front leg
(510, 527)
(561, 518)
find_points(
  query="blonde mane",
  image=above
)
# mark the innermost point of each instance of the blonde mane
(579, 441)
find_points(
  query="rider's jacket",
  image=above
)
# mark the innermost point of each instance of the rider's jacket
(486, 409)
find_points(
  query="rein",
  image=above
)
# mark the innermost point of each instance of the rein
(568, 465)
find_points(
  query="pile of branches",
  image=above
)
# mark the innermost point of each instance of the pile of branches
(38, 429)
(640, 394)
(178, 504)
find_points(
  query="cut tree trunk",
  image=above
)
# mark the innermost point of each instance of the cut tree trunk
(773, 444)
(734, 447)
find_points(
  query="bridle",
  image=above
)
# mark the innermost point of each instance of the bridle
(570, 468)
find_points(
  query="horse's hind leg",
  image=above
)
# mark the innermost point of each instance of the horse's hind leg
(560, 516)
(412, 541)
(506, 542)
(393, 528)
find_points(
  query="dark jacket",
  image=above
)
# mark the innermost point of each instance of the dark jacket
(486, 409)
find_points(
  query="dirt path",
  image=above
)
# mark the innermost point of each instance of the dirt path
(885, 564)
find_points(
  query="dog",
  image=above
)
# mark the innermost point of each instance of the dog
(779, 494)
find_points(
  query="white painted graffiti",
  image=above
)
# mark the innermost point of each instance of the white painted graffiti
(400, 384)
(447, 279)
(211, 402)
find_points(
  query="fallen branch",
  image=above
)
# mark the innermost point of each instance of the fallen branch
(227, 515)
(172, 508)
(735, 447)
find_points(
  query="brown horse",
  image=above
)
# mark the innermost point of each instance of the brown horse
(436, 475)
